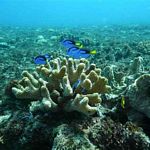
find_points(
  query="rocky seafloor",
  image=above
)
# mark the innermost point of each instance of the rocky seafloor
(123, 54)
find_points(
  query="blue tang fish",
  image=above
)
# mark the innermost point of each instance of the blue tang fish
(70, 43)
(41, 59)
(75, 85)
(78, 53)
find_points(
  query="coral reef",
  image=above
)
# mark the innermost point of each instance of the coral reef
(116, 79)
(35, 115)
(71, 85)
(120, 79)
(21, 130)
(71, 133)
(136, 66)
(67, 138)
(107, 135)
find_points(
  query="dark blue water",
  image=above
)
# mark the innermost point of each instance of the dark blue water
(74, 12)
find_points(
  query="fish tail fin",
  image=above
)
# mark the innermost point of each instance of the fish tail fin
(79, 44)
(93, 52)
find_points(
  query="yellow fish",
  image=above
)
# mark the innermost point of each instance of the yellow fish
(123, 102)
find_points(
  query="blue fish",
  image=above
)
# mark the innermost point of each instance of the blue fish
(70, 43)
(74, 86)
(41, 59)
(78, 53)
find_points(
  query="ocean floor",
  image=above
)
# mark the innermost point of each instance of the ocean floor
(123, 118)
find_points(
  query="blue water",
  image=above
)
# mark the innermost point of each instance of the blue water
(74, 12)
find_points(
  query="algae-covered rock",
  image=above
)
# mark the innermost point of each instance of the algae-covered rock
(139, 95)
(67, 139)
(107, 134)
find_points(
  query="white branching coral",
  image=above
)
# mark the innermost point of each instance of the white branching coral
(71, 85)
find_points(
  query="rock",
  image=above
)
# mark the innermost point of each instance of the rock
(54, 38)
(139, 95)
(4, 45)
(41, 40)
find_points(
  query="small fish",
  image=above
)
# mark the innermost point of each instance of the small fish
(73, 52)
(70, 43)
(78, 53)
(75, 85)
(123, 102)
(41, 59)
